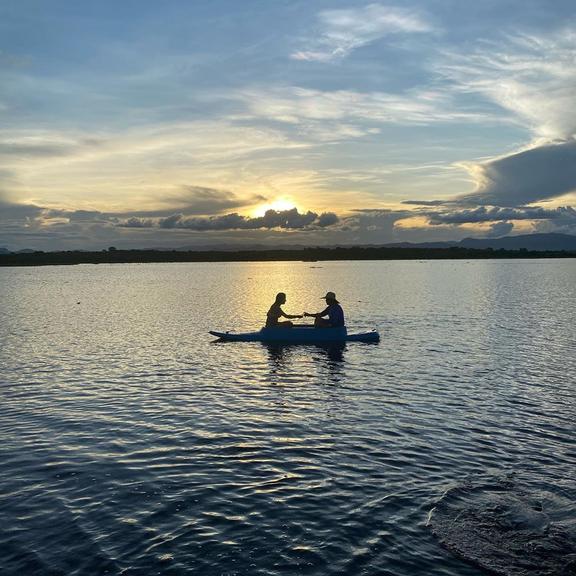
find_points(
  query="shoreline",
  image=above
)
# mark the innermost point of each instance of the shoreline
(290, 255)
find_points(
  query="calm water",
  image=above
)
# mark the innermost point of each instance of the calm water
(132, 444)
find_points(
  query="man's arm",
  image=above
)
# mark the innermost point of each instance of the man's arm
(318, 314)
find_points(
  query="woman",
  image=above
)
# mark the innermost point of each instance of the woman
(275, 312)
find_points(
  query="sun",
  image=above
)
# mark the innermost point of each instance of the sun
(279, 204)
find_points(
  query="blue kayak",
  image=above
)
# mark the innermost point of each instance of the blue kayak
(298, 334)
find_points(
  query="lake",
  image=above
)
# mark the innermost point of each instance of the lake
(133, 444)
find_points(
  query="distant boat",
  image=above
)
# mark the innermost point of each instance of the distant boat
(298, 335)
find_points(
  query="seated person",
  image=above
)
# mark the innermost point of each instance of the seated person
(333, 311)
(275, 312)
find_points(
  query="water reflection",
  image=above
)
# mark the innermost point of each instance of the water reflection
(280, 353)
(278, 356)
(329, 359)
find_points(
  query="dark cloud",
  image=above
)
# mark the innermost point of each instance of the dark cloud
(32, 226)
(372, 210)
(193, 200)
(540, 173)
(374, 225)
(78, 216)
(17, 221)
(10, 211)
(196, 201)
(288, 219)
(499, 229)
(284, 219)
(493, 214)
(85, 216)
(44, 148)
(327, 219)
(425, 202)
(136, 222)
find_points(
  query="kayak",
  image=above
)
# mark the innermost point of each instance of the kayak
(298, 334)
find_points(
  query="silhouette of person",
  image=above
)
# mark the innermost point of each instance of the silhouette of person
(333, 311)
(275, 312)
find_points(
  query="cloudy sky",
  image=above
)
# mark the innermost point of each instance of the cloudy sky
(136, 123)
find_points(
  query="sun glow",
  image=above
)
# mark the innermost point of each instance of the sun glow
(279, 204)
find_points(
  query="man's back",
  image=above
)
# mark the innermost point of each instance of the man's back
(336, 315)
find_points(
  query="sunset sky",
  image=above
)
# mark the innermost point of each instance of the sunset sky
(207, 122)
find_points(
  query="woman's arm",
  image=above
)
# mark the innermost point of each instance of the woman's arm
(290, 316)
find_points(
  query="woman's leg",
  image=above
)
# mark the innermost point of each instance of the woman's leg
(321, 323)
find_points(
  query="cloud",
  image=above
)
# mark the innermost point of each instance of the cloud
(345, 30)
(297, 105)
(531, 76)
(499, 229)
(16, 212)
(190, 200)
(11, 211)
(196, 200)
(284, 219)
(141, 166)
(374, 224)
(424, 202)
(44, 146)
(327, 219)
(495, 214)
(378, 226)
(79, 215)
(378, 211)
(540, 173)
(48, 229)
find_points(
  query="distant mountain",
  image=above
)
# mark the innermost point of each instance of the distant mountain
(533, 242)
(539, 242)
(448, 244)
(221, 247)
(549, 241)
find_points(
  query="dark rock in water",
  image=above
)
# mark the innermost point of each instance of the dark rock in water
(509, 529)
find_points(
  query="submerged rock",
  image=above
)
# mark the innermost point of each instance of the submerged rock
(508, 529)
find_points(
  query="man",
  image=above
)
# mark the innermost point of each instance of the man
(333, 311)
(275, 312)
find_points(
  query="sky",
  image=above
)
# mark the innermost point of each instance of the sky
(193, 123)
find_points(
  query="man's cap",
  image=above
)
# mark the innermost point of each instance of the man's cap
(329, 296)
